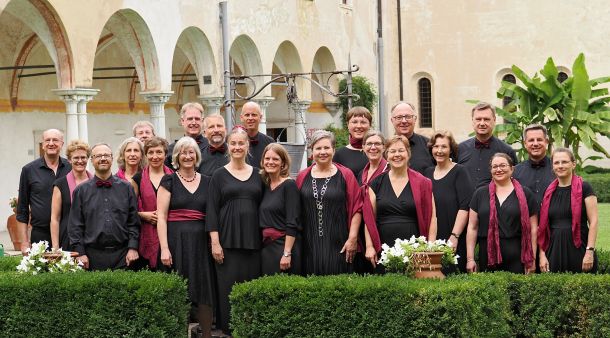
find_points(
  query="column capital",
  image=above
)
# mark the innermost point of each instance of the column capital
(332, 107)
(76, 94)
(212, 103)
(264, 101)
(157, 97)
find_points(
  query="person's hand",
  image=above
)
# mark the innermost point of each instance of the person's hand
(471, 266)
(285, 263)
(371, 255)
(166, 257)
(587, 261)
(544, 263)
(217, 253)
(349, 248)
(24, 248)
(84, 260)
(150, 217)
(530, 269)
(452, 242)
(132, 256)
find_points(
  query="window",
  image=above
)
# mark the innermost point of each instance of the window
(562, 76)
(425, 102)
(508, 78)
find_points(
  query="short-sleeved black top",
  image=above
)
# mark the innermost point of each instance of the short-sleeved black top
(560, 210)
(280, 208)
(184, 199)
(353, 159)
(509, 215)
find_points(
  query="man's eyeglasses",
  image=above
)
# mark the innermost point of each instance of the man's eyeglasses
(405, 117)
(101, 156)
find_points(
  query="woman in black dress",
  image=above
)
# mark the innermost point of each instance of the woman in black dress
(402, 198)
(453, 190)
(279, 213)
(78, 152)
(236, 190)
(146, 184)
(566, 243)
(358, 124)
(330, 211)
(505, 228)
(181, 205)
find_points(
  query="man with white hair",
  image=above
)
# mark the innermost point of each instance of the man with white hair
(36, 189)
(251, 115)
(191, 119)
(143, 130)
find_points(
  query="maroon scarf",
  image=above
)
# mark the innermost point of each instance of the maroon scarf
(355, 143)
(494, 256)
(353, 202)
(367, 208)
(121, 174)
(72, 182)
(421, 187)
(147, 201)
(544, 234)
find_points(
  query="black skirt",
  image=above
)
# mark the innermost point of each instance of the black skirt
(271, 255)
(510, 248)
(563, 256)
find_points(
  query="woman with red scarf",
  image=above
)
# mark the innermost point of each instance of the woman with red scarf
(401, 198)
(330, 210)
(352, 156)
(181, 206)
(146, 184)
(130, 159)
(503, 219)
(566, 243)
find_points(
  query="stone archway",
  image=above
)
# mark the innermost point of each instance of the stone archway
(326, 105)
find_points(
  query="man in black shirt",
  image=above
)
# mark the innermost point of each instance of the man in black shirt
(191, 118)
(250, 116)
(214, 155)
(536, 172)
(475, 153)
(104, 226)
(403, 119)
(36, 189)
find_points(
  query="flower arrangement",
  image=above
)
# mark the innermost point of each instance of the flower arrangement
(40, 260)
(403, 256)
(13, 202)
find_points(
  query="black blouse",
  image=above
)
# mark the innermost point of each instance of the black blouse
(560, 210)
(280, 208)
(233, 209)
(353, 159)
(509, 215)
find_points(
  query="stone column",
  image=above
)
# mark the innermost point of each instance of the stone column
(212, 104)
(71, 97)
(300, 112)
(157, 101)
(263, 102)
(333, 109)
(85, 95)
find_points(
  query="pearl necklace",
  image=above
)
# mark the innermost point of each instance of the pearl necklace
(187, 180)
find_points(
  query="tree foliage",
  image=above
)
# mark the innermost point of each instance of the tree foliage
(365, 90)
(574, 111)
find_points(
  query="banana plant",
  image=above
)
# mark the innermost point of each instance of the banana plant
(575, 111)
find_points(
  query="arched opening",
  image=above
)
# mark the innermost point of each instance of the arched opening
(322, 102)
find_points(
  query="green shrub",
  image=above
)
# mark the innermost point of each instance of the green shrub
(93, 304)
(366, 92)
(601, 186)
(9, 263)
(603, 261)
(341, 135)
(374, 306)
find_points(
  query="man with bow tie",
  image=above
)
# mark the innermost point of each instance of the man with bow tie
(251, 115)
(104, 226)
(475, 153)
(191, 118)
(404, 118)
(536, 172)
(214, 155)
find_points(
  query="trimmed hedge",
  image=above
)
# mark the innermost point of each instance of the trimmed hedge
(601, 186)
(379, 306)
(93, 304)
(480, 305)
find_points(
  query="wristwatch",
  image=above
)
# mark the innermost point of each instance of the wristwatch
(287, 254)
(590, 248)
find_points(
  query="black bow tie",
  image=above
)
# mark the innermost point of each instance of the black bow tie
(101, 184)
(214, 150)
(482, 145)
(254, 141)
(536, 165)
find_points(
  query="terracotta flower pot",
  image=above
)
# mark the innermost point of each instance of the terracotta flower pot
(13, 230)
(428, 265)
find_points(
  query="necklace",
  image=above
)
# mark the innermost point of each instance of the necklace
(187, 180)
(319, 204)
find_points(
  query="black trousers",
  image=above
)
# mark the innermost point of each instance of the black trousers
(41, 234)
(106, 258)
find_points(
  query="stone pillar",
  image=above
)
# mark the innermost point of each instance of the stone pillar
(72, 97)
(300, 113)
(212, 104)
(333, 109)
(84, 97)
(157, 101)
(263, 102)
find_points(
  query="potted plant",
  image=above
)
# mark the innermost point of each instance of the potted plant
(40, 260)
(417, 257)
(13, 226)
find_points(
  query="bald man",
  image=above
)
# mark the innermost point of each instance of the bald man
(251, 116)
(36, 189)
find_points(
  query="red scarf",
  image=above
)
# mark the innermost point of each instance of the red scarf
(421, 187)
(121, 174)
(367, 208)
(72, 182)
(147, 201)
(494, 256)
(544, 234)
(353, 202)
(355, 143)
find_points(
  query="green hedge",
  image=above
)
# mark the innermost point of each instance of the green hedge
(601, 186)
(9, 263)
(93, 304)
(480, 305)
